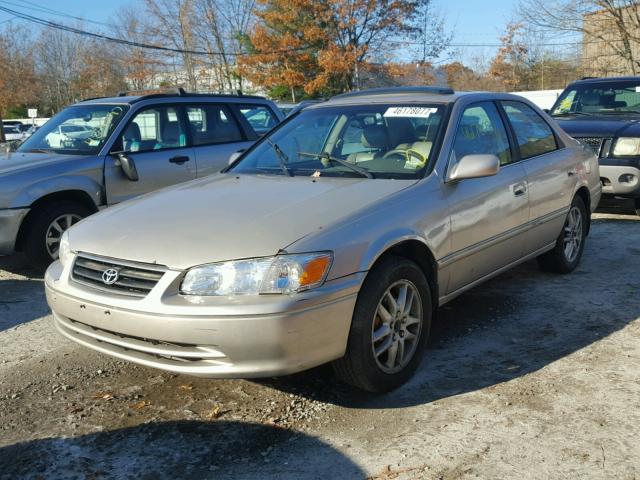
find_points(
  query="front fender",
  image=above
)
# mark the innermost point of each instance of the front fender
(42, 188)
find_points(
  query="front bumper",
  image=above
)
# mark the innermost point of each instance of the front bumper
(10, 221)
(223, 338)
(620, 180)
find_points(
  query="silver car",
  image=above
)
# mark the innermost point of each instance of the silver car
(102, 151)
(333, 239)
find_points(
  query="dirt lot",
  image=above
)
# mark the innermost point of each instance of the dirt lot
(531, 375)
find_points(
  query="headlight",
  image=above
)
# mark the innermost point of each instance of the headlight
(281, 274)
(64, 250)
(627, 147)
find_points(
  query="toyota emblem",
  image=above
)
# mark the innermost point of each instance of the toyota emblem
(110, 276)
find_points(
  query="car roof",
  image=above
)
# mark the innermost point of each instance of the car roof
(438, 95)
(588, 80)
(184, 97)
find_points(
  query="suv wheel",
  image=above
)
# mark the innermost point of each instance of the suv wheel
(566, 255)
(390, 326)
(46, 227)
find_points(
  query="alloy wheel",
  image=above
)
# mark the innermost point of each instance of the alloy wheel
(55, 231)
(397, 326)
(572, 234)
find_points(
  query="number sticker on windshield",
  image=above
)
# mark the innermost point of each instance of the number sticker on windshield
(412, 112)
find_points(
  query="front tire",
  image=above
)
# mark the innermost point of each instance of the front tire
(565, 256)
(46, 227)
(389, 329)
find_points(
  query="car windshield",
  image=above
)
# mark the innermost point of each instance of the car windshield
(595, 98)
(10, 129)
(77, 130)
(373, 141)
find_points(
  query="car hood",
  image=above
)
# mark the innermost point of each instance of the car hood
(225, 217)
(601, 126)
(16, 161)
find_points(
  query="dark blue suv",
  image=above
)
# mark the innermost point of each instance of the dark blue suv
(604, 115)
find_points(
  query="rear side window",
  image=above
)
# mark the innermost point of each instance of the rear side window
(480, 132)
(535, 137)
(212, 124)
(260, 117)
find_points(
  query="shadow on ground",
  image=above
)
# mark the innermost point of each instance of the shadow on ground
(179, 449)
(509, 327)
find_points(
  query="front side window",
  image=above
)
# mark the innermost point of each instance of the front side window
(533, 134)
(77, 130)
(261, 118)
(379, 141)
(481, 132)
(212, 124)
(154, 128)
(611, 97)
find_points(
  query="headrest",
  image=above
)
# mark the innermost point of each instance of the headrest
(132, 133)
(375, 136)
(590, 99)
(401, 130)
(171, 132)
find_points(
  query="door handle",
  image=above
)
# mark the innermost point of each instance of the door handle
(519, 189)
(179, 160)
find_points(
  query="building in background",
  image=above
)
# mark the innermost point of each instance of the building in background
(610, 42)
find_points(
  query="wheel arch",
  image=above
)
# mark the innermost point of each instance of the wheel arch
(585, 195)
(76, 196)
(417, 251)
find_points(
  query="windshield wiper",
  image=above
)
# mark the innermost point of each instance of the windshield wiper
(567, 114)
(37, 150)
(282, 157)
(324, 155)
(619, 112)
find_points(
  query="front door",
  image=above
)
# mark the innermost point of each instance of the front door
(156, 140)
(488, 215)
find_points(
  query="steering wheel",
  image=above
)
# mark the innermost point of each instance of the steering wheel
(410, 156)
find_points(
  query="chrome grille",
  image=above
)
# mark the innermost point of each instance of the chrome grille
(133, 279)
(594, 143)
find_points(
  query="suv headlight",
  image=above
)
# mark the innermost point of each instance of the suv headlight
(282, 274)
(627, 147)
(64, 250)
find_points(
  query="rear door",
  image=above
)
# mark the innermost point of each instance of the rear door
(550, 173)
(156, 140)
(489, 214)
(215, 135)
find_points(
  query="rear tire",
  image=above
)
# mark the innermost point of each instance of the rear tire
(386, 345)
(45, 228)
(565, 256)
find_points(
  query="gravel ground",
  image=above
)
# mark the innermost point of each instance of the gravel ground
(530, 375)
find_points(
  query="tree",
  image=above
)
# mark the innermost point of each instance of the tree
(507, 66)
(323, 47)
(18, 74)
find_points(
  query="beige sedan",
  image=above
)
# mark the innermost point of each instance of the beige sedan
(333, 239)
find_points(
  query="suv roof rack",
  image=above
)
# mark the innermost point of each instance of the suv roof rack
(181, 92)
(588, 78)
(392, 90)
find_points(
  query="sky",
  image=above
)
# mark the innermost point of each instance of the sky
(474, 21)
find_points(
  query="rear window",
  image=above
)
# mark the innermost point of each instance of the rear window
(533, 134)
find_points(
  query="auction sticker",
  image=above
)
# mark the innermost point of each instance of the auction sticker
(415, 112)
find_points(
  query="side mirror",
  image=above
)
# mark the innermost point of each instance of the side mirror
(475, 166)
(128, 167)
(547, 110)
(235, 155)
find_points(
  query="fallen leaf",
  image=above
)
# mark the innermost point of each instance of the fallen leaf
(102, 396)
(186, 387)
(140, 404)
(214, 413)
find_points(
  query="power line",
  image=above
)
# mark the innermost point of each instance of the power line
(78, 31)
